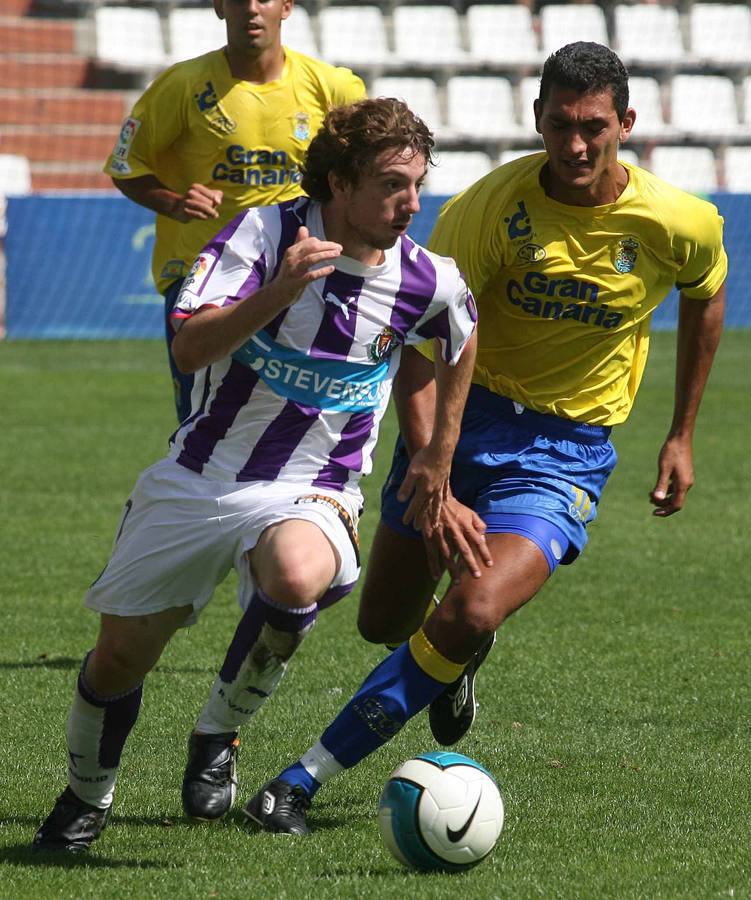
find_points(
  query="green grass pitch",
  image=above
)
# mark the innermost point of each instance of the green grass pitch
(614, 708)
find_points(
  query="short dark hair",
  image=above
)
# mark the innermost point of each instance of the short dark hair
(587, 68)
(352, 136)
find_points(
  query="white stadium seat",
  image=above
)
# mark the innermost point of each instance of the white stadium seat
(646, 98)
(428, 36)
(481, 107)
(705, 105)
(510, 155)
(502, 35)
(420, 94)
(692, 168)
(721, 33)
(193, 32)
(352, 35)
(15, 175)
(746, 100)
(129, 38)
(628, 156)
(564, 24)
(738, 169)
(529, 91)
(297, 32)
(457, 170)
(648, 33)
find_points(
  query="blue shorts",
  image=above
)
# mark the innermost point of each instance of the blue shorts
(522, 472)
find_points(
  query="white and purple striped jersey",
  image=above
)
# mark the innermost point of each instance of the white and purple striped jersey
(302, 399)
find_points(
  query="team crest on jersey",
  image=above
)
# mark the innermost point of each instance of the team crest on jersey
(625, 255)
(302, 126)
(530, 253)
(383, 345)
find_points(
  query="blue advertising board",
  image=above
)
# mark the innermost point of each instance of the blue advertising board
(78, 267)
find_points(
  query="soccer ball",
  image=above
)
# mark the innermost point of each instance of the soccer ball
(440, 810)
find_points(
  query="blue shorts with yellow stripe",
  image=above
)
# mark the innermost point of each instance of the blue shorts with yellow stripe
(521, 471)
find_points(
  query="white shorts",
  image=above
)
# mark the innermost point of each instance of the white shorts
(180, 534)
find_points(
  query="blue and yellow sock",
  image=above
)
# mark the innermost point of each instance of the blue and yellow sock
(397, 689)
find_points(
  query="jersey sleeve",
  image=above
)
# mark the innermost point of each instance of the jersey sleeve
(155, 123)
(232, 266)
(347, 87)
(451, 318)
(705, 261)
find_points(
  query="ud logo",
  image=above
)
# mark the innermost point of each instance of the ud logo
(625, 255)
(206, 99)
(302, 126)
(519, 224)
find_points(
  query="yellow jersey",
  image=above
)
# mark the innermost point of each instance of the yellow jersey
(565, 293)
(196, 123)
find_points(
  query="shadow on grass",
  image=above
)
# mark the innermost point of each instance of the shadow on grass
(23, 855)
(70, 663)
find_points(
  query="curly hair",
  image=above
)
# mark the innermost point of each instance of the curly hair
(352, 136)
(587, 68)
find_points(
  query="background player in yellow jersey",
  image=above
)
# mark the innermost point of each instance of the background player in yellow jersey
(567, 252)
(216, 134)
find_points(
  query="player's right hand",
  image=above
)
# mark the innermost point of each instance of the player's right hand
(198, 202)
(301, 263)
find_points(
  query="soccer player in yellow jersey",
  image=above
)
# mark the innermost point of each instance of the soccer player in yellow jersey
(568, 252)
(216, 134)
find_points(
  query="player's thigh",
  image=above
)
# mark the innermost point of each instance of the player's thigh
(294, 562)
(475, 607)
(397, 587)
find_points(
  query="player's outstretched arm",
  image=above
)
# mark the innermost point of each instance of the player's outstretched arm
(699, 330)
(198, 202)
(426, 481)
(213, 333)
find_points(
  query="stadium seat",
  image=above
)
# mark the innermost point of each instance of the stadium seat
(563, 23)
(428, 36)
(482, 108)
(705, 105)
(297, 32)
(129, 38)
(353, 36)
(508, 156)
(647, 33)
(529, 91)
(738, 169)
(629, 156)
(646, 98)
(15, 175)
(420, 94)
(193, 32)
(502, 35)
(721, 33)
(692, 168)
(456, 170)
(746, 100)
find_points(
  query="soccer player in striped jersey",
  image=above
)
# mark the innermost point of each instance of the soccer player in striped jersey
(219, 133)
(568, 253)
(294, 319)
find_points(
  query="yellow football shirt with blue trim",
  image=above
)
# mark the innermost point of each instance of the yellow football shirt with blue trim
(196, 123)
(565, 293)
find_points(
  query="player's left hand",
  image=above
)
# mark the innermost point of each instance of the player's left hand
(675, 476)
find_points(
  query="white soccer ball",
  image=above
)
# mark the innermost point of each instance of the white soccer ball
(440, 810)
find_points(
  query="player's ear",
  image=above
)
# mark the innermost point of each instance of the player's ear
(219, 8)
(287, 7)
(629, 117)
(537, 107)
(337, 185)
